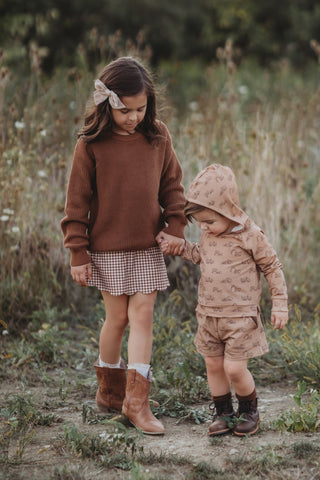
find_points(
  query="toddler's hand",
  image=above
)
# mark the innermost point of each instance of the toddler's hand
(81, 274)
(169, 244)
(279, 319)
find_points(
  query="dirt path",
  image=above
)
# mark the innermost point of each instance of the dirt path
(181, 439)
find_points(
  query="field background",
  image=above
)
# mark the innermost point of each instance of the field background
(238, 85)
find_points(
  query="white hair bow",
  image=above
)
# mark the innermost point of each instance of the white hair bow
(101, 93)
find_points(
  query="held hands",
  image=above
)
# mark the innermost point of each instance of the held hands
(81, 274)
(279, 319)
(170, 245)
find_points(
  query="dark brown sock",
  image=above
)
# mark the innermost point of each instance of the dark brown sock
(247, 398)
(222, 398)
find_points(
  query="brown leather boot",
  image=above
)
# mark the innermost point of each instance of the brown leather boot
(249, 412)
(223, 414)
(136, 405)
(112, 387)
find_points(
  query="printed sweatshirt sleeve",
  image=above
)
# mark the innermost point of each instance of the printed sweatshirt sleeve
(171, 191)
(191, 252)
(268, 262)
(76, 221)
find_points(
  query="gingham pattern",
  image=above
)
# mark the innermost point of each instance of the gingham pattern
(129, 272)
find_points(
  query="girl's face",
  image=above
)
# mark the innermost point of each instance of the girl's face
(127, 119)
(212, 222)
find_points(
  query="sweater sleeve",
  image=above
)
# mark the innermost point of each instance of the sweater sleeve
(77, 208)
(191, 252)
(268, 262)
(171, 191)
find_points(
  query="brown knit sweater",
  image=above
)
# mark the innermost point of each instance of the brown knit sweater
(122, 192)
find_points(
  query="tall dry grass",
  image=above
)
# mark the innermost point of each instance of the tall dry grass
(263, 124)
(267, 131)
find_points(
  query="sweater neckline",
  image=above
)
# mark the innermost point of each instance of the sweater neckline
(126, 138)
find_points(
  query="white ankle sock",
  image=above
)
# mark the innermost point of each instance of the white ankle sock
(142, 368)
(109, 365)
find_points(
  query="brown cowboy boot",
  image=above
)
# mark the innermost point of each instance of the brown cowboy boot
(112, 387)
(223, 415)
(248, 411)
(136, 405)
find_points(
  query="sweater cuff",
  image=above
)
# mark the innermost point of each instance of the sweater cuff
(176, 228)
(79, 257)
(279, 305)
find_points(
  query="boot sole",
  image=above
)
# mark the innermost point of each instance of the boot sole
(104, 409)
(240, 434)
(220, 432)
(143, 431)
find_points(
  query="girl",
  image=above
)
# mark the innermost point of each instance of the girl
(124, 195)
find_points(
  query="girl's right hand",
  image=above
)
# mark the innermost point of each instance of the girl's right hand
(81, 274)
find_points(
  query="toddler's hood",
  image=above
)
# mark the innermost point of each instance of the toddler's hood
(215, 187)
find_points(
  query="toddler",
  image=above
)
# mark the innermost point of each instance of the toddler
(232, 251)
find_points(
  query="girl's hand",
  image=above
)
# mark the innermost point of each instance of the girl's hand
(279, 319)
(81, 274)
(171, 245)
(164, 247)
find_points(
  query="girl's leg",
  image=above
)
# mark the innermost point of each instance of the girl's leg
(219, 383)
(239, 376)
(140, 315)
(113, 328)
(136, 405)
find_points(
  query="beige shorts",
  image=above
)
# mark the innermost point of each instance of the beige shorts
(235, 338)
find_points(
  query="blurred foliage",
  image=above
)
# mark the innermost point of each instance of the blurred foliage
(179, 30)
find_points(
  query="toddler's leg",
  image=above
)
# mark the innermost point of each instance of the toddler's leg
(219, 386)
(244, 386)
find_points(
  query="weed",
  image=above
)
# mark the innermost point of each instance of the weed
(307, 417)
(117, 442)
(304, 449)
(66, 473)
(204, 471)
(19, 418)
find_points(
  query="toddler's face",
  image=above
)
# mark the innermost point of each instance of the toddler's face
(212, 222)
(127, 119)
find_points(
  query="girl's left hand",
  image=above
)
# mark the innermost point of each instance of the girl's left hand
(81, 274)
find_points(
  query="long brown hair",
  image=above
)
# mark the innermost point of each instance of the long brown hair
(126, 77)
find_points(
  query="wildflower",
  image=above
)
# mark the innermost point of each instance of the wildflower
(8, 211)
(243, 90)
(193, 106)
(4, 218)
(15, 229)
(43, 133)
(42, 174)
(19, 125)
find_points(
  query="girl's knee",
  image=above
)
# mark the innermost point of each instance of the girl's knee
(118, 320)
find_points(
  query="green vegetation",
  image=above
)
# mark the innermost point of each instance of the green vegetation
(179, 30)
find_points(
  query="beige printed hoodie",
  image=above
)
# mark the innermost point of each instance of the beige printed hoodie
(231, 263)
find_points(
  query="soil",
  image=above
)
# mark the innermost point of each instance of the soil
(182, 438)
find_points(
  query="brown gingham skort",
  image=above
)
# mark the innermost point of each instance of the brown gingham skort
(121, 272)
(236, 338)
